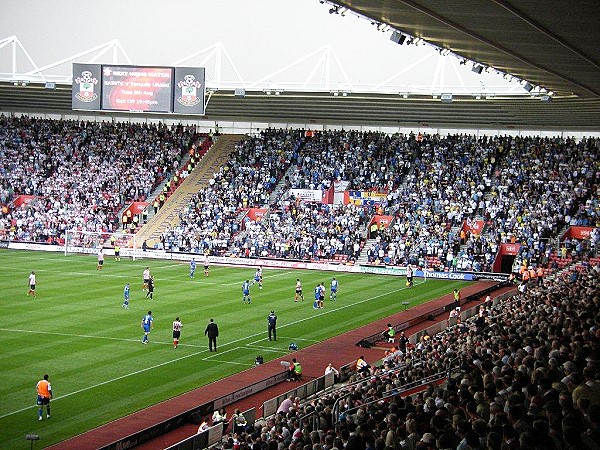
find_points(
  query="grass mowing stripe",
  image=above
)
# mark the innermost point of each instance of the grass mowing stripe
(89, 336)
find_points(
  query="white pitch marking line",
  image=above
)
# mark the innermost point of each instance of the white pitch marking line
(137, 372)
(267, 349)
(227, 362)
(221, 353)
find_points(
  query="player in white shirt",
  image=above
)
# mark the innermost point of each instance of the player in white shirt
(206, 262)
(298, 290)
(146, 276)
(258, 277)
(100, 258)
(31, 284)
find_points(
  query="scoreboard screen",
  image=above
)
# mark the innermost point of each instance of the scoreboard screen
(153, 89)
(133, 88)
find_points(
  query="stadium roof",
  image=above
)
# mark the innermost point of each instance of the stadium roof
(549, 44)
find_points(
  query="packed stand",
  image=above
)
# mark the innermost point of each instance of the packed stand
(369, 161)
(524, 189)
(306, 230)
(211, 219)
(302, 230)
(445, 187)
(529, 379)
(81, 173)
(542, 186)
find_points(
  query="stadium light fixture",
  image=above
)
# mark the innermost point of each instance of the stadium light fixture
(398, 37)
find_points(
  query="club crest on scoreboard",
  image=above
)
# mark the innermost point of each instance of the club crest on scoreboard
(86, 82)
(189, 91)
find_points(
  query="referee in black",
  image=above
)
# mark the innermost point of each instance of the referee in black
(212, 331)
(271, 325)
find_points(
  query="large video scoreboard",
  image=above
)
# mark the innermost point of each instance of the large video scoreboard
(106, 87)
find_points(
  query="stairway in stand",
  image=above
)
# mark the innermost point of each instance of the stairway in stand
(168, 215)
(363, 257)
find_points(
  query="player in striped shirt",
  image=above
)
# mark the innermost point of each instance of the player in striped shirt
(176, 331)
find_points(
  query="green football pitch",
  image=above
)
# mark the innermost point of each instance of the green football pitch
(76, 330)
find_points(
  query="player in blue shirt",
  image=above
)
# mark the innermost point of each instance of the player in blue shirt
(334, 288)
(126, 296)
(246, 292)
(321, 294)
(192, 267)
(317, 296)
(258, 277)
(147, 326)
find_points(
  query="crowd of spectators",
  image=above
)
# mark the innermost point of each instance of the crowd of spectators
(542, 186)
(529, 379)
(367, 160)
(294, 228)
(305, 230)
(524, 190)
(210, 220)
(430, 186)
(80, 173)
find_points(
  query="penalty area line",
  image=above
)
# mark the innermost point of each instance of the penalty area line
(226, 362)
